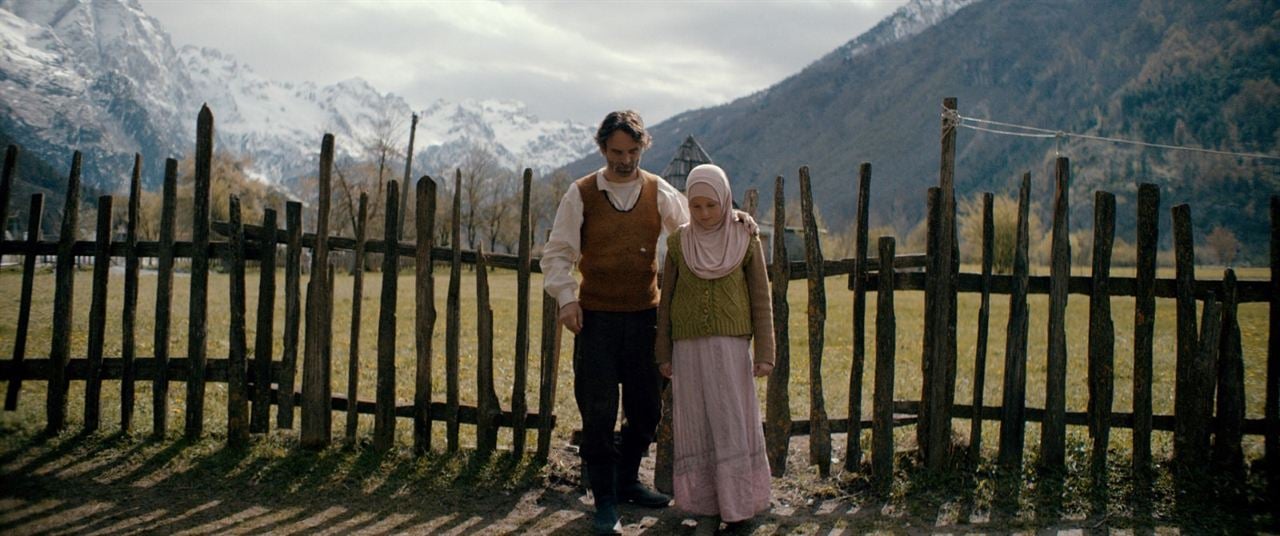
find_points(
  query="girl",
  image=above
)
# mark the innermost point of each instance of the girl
(715, 299)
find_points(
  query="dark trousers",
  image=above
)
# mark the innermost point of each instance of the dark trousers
(617, 349)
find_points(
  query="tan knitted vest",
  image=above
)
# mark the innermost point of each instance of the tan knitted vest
(619, 248)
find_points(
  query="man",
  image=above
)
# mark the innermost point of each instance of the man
(608, 224)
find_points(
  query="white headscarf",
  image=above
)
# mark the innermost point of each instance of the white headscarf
(713, 252)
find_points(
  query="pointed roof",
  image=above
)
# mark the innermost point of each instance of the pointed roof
(687, 157)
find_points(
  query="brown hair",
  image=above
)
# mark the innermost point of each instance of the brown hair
(627, 121)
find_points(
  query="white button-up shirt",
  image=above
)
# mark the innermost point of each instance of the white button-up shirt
(564, 247)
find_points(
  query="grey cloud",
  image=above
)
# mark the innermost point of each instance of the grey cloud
(564, 59)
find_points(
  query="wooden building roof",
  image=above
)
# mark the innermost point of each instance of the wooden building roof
(687, 157)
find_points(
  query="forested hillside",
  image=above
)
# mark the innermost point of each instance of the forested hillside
(1199, 74)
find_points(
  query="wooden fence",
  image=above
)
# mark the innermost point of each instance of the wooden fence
(1210, 367)
(1209, 362)
(257, 381)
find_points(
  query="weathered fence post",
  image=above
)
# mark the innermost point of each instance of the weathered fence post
(1144, 323)
(984, 319)
(63, 302)
(128, 317)
(1272, 410)
(1102, 335)
(550, 366)
(777, 428)
(6, 187)
(424, 312)
(384, 422)
(487, 408)
(519, 406)
(1228, 453)
(1053, 431)
(264, 336)
(858, 283)
(197, 332)
(1194, 418)
(292, 313)
(34, 216)
(819, 426)
(326, 345)
(936, 408)
(886, 347)
(98, 316)
(751, 201)
(317, 418)
(408, 178)
(237, 371)
(1014, 399)
(453, 319)
(164, 299)
(1186, 449)
(357, 299)
(928, 343)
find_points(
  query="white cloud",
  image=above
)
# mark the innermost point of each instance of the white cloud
(572, 59)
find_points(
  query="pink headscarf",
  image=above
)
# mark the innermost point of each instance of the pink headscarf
(713, 252)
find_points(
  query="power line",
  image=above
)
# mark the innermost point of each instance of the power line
(1036, 132)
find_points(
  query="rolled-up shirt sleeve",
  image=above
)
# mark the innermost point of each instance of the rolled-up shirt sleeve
(563, 249)
(672, 207)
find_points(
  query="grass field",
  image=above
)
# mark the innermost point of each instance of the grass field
(73, 482)
(836, 361)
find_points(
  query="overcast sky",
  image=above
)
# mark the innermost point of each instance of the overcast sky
(566, 59)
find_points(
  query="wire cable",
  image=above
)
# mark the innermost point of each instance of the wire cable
(1036, 132)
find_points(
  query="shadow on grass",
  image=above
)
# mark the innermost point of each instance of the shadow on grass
(59, 445)
(76, 482)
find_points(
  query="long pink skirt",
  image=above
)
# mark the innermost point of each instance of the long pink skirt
(720, 463)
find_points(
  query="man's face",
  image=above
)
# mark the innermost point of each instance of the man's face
(622, 154)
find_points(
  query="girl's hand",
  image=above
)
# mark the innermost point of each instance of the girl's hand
(665, 369)
(762, 369)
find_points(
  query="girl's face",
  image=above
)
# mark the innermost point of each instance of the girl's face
(706, 211)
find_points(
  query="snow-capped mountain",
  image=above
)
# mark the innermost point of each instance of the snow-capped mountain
(280, 124)
(103, 77)
(906, 21)
(94, 76)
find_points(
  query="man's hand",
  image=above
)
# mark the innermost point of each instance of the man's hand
(752, 227)
(665, 369)
(571, 317)
(761, 370)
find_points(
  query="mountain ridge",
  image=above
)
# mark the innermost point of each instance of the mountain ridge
(1162, 71)
(105, 78)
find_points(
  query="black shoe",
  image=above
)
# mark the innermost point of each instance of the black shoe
(636, 493)
(746, 526)
(606, 520)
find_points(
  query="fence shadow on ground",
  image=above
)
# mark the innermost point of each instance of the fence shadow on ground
(112, 484)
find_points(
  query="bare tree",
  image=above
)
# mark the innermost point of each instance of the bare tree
(500, 211)
(545, 199)
(230, 176)
(383, 149)
(444, 212)
(1224, 245)
(479, 170)
(1004, 218)
(344, 201)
